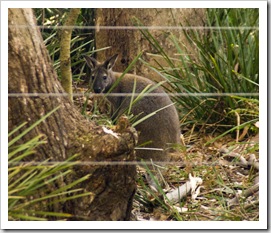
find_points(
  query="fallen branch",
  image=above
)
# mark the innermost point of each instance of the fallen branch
(252, 162)
(249, 192)
(242, 161)
(191, 186)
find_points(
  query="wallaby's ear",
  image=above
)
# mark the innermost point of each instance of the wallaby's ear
(91, 62)
(110, 62)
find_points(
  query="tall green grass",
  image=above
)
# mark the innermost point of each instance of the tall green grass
(32, 186)
(225, 63)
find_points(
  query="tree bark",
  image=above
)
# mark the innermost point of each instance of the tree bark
(65, 50)
(30, 72)
(129, 42)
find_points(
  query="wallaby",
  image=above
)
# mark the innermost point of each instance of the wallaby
(160, 131)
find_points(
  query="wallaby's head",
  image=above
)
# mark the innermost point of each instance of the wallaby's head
(101, 73)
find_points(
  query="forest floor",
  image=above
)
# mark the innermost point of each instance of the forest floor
(227, 171)
(229, 175)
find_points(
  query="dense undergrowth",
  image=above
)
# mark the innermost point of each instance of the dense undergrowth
(218, 108)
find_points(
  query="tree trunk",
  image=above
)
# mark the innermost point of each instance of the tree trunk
(129, 42)
(30, 72)
(65, 50)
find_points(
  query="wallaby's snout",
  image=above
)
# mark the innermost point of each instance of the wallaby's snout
(100, 81)
(97, 90)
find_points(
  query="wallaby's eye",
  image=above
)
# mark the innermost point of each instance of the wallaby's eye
(104, 77)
